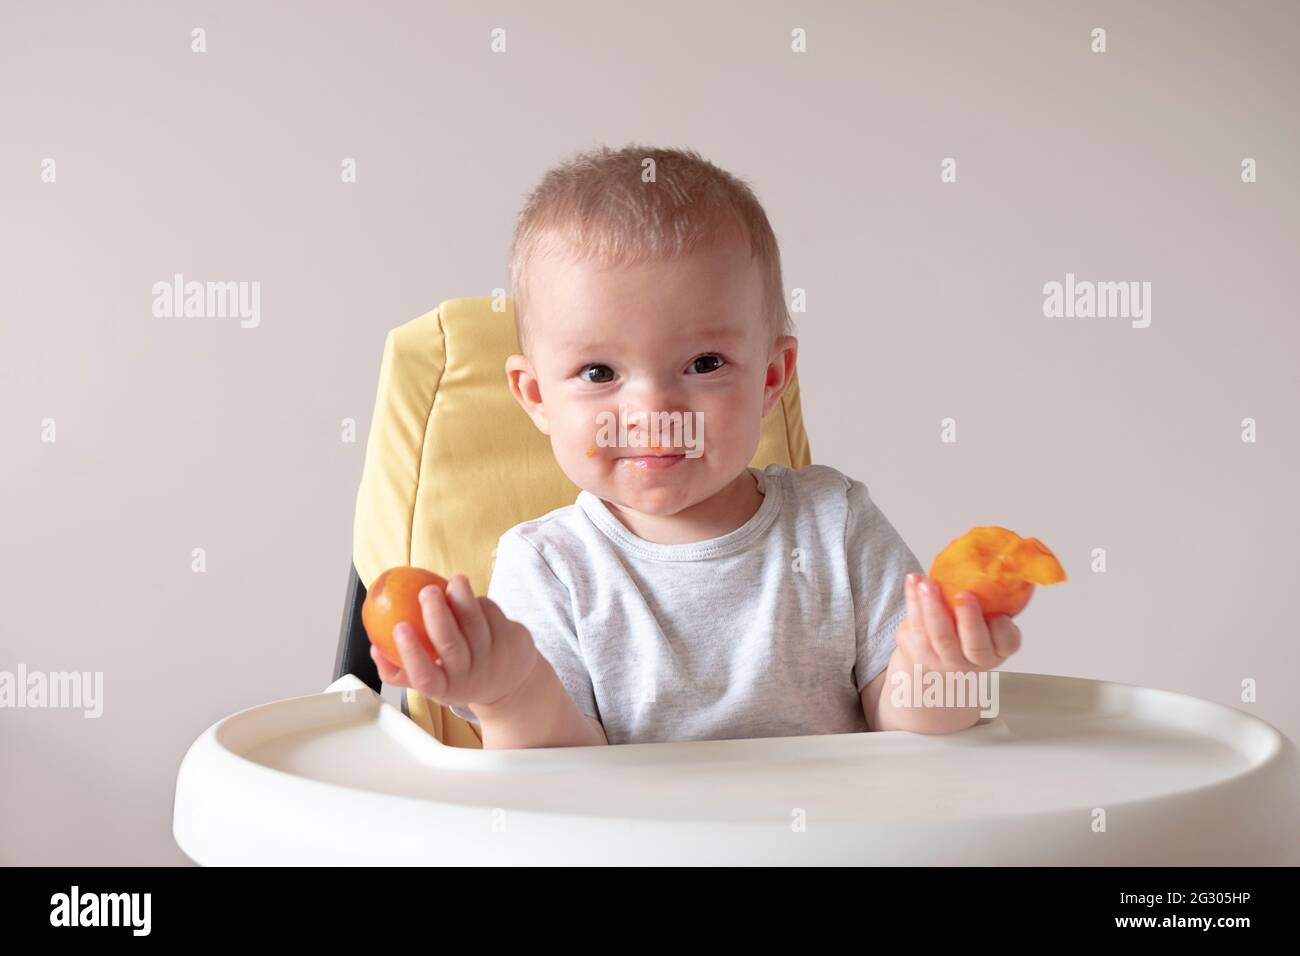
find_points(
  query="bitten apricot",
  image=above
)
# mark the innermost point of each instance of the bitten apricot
(394, 597)
(996, 565)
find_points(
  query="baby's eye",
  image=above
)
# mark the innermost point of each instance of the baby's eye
(707, 363)
(603, 370)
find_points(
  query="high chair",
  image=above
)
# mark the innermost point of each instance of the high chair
(1068, 771)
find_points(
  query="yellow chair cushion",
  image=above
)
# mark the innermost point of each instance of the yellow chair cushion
(452, 462)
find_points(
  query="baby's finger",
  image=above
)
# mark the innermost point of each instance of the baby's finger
(421, 672)
(939, 625)
(914, 605)
(466, 608)
(492, 613)
(445, 633)
(497, 621)
(910, 635)
(976, 641)
(1005, 634)
(387, 672)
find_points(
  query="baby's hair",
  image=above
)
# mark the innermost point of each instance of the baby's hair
(598, 206)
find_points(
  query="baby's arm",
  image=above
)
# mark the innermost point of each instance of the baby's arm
(539, 713)
(887, 587)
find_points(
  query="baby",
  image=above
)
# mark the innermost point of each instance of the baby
(684, 595)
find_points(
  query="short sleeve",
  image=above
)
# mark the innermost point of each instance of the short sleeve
(527, 590)
(879, 562)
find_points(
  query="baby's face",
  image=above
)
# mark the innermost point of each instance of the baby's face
(684, 336)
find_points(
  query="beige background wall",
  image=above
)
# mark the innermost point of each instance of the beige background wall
(924, 303)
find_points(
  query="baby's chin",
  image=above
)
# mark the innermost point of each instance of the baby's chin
(659, 493)
(660, 502)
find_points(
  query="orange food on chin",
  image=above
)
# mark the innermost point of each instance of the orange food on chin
(996, 565)
(394, 597)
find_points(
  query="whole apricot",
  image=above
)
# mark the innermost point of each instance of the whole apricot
(996, 565)
(393, 598)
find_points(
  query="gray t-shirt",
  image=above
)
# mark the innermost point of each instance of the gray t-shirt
(770, 630)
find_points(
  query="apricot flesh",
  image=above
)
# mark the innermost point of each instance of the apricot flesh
(393, 598)
(996, 565)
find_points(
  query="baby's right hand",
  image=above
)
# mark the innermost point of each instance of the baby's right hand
(484, 655)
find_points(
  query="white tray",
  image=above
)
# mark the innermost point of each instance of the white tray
(343, 778)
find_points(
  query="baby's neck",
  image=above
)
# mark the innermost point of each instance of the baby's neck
(726, 511)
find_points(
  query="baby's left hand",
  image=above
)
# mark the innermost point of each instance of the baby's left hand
(929, 636)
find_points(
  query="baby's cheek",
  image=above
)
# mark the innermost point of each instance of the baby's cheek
(723, 436)
(575, 435)
(730, 423)
(578, 448)
(579, 452)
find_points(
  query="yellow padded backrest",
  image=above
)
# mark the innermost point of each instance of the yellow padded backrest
(452, 461)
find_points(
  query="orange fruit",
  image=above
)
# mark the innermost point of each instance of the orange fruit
(996, 565)
(393, 598)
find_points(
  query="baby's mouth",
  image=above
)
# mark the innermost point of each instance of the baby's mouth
(653, 462)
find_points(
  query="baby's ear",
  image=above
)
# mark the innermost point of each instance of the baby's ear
(524, 386)
(780, 369)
